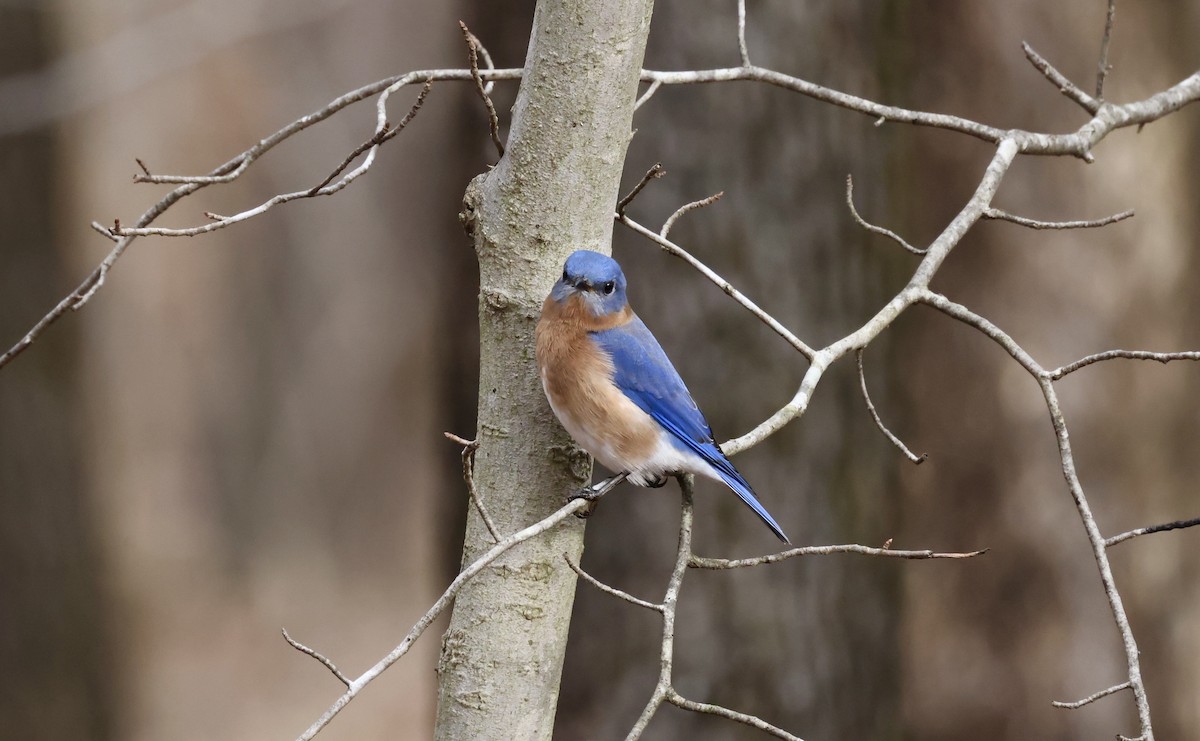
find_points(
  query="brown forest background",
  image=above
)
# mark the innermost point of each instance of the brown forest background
(243, 431)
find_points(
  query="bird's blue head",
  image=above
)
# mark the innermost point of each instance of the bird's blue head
(596, 279)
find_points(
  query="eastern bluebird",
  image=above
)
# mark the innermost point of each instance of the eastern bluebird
(612, 387)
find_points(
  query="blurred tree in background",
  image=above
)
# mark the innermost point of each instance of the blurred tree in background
(243, 432)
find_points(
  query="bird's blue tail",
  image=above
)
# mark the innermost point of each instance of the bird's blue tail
(746, 494)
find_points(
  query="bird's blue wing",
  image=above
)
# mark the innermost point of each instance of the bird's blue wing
(645, 375)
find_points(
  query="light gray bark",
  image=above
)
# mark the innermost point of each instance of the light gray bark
(553, 192)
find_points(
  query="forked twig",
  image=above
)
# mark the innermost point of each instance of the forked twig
(473, 57)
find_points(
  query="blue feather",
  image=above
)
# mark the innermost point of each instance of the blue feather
(645, 375)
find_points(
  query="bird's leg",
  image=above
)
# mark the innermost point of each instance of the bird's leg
(658, 481)
(593, 493)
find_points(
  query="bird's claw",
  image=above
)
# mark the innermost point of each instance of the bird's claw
(592, 494)
(589, 495)
(658, 482)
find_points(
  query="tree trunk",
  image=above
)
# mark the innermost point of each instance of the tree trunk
(553, 192)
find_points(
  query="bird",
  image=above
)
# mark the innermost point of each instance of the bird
(612, 387)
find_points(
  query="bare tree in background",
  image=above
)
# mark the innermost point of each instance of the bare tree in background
(472, 679)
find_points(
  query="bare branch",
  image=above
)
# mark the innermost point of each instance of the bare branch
(716, 564)
(610, 590)
(1065, 86)
(1162, 357)
(654, 173)
(685, 209)
(871, 227)
(468, 469)
(487, 61)
(753, 721)
(319, 657)
(862, 381)
(1103, 67)
(1095, 539)
(1091, 698)
(1077, 144)
(650, 91)
(438, 607)
(720, 282)
(742, 48)
(669, 604)
(473, 57)
(385, 133)
(995, 213)
(1176, 525)
(934, 256)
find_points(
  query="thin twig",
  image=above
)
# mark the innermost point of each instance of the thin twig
(862, 381)
(1065, 86)
(717, 564)
(438, 607)
(1076, 144)
(998, 214)
(742, 48)
(935, 255)
(610, 590)
(487, 61)
(753, 721)
(1162, 357)
(871, 227)
(493, 119)
(1090, 698)
(1066, 456)
(666, 657)
(319, 657)
(721, 283)
(650, 91)
(385, 133)
(654, 173)
(1176, 525)
(685, 209)
(468, 469)
(1103, 67)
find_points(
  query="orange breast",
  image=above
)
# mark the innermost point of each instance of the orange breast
(578, 380)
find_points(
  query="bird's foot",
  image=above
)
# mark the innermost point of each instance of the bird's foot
(592, 494)
(658, 481)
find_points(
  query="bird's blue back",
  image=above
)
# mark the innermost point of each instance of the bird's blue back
(645, 375)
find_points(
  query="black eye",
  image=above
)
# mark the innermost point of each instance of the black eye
(565, 279)
(608, 288)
